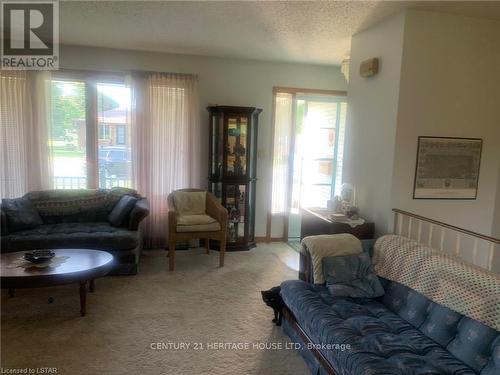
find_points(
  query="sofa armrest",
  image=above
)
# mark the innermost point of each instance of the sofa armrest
(3, 223)
(138, 213)
(216, 210)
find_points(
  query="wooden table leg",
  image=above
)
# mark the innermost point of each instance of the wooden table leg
(11, 293)
(83, 298)
(91, 286)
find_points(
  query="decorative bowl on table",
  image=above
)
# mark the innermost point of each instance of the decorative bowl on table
(39, 256)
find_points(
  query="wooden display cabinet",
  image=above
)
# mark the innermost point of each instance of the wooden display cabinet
(232, 169)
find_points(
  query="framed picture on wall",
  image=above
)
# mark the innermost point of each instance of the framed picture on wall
(447, 168)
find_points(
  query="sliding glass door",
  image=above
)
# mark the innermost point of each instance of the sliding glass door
(318, 149)
(307, 156)
(90, 132)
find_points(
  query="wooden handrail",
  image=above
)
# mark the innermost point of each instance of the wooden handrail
(453, 227)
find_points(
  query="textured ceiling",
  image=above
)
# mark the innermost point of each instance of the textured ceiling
(316, 32)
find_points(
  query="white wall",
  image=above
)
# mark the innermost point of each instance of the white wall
(450, 86)
(372, 118)
(223, 82)
(439, 76)
(495, 228)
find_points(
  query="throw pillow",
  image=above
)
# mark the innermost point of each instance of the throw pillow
(20, 214)
(122, 210)
(351, 276)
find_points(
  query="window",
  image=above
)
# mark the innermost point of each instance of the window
(120, 135)
(68, 134)
(104, 132)
(113, 108)
(79, 161)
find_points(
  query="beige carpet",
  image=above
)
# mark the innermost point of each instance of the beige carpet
(198, 303)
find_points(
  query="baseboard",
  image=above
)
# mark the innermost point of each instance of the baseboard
(272, 239)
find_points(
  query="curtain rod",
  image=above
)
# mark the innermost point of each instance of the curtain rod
(120, 72)
(156, 72)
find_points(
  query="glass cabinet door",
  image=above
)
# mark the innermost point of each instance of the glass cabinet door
(216, 190)
(237, 127)
(217, 145)
(235, 205)
(251, 210)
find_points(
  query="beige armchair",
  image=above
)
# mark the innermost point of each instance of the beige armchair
(195, 214)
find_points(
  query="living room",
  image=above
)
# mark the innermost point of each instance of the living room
(168, 161)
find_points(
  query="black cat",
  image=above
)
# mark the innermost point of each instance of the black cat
(272, 298)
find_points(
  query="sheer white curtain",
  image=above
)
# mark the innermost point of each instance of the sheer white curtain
(25, 155)
(166, 143)
(281, 152)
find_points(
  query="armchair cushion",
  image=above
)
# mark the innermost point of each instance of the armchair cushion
(190, 202)
(212, 227)
(195, 220)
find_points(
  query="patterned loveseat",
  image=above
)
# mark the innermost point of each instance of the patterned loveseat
(438, 316)
(90, 219)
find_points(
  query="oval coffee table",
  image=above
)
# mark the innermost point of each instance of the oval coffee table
(80, 267)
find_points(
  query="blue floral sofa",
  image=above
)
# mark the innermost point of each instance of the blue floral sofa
(438, 316)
